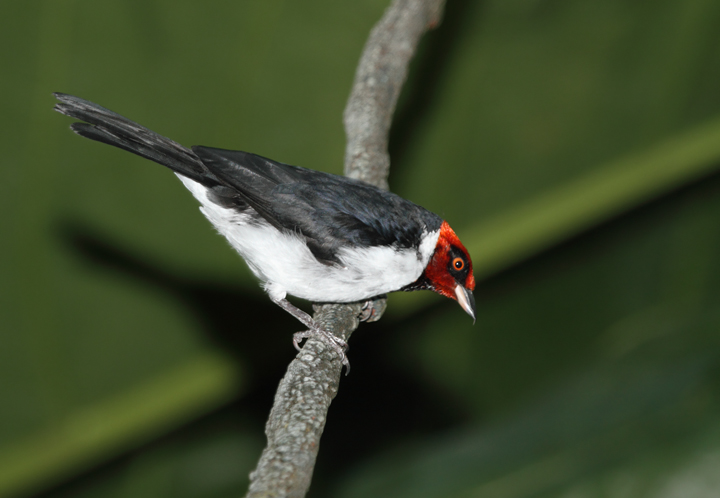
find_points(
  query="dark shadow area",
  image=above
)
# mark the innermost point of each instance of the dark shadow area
(224, 312)
(425, 79)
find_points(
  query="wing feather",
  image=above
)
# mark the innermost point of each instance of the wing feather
(331, 212)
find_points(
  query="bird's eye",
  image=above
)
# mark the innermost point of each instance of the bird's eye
(458, 263)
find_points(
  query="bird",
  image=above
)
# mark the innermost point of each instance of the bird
(304, 233)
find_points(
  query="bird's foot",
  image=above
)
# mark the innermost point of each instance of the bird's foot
(373, 309)
(334, 341)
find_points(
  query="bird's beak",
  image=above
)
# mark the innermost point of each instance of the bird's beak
(466, 300)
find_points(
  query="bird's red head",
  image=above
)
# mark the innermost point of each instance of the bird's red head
(450, 270)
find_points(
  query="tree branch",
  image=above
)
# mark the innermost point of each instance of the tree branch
(379, 78)
(303, 398)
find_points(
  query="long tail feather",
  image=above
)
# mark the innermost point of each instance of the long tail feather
(108, 127)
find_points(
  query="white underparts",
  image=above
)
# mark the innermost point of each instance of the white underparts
(285, 265)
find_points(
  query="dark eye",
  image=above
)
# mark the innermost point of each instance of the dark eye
(458, 263)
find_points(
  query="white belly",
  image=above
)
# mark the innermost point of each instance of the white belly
(283, 262)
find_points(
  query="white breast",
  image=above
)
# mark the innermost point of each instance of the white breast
(283, 262)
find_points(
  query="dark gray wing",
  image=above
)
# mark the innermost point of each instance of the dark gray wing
(330, 211)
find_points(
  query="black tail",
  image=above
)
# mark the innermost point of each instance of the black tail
(108, 127)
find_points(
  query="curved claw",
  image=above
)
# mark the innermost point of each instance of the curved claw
(373, 309)
(298, 338)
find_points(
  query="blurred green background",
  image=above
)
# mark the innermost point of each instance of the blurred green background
(573, 145)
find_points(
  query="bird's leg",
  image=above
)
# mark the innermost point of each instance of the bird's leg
(314, 330)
